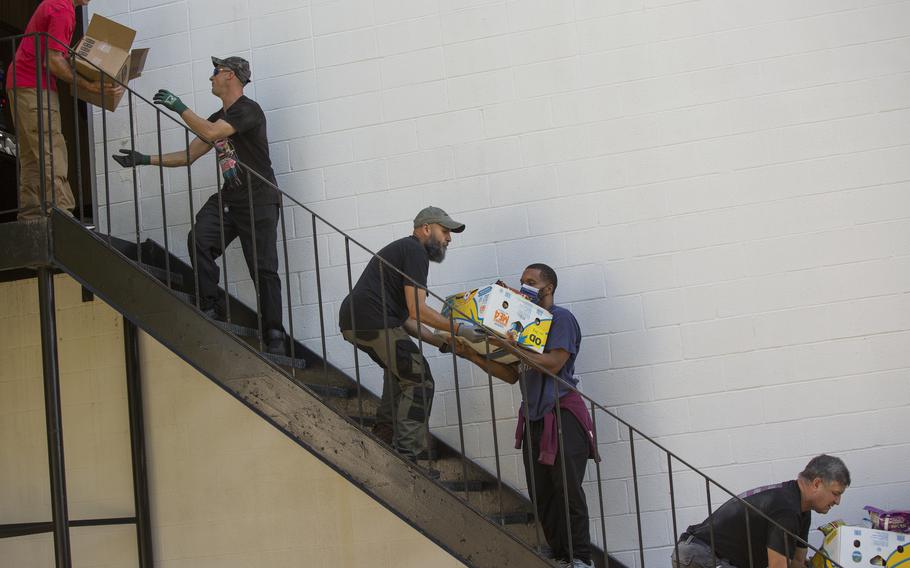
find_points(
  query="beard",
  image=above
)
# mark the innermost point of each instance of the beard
(435, 250)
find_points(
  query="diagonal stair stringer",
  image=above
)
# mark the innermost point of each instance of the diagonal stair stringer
(298, 413)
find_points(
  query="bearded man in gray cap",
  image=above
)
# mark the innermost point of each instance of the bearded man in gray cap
(381, 315)
(237, 131)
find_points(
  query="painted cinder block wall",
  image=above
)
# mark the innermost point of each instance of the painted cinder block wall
(722, 186)
(225, 488)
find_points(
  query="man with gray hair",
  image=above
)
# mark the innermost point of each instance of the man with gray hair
(789, 507)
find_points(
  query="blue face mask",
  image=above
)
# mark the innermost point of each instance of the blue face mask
(530, 292)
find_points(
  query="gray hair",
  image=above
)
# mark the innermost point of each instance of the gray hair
(828, 468)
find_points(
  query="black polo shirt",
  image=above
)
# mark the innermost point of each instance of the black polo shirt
(781, 502)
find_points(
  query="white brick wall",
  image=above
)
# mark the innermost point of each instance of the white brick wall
(723, 187)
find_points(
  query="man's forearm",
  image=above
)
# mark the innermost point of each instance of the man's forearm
(199, 125)
(169, 160)
(63, 71)
(507, 373)
(421, 332)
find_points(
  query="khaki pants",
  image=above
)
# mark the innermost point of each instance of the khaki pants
(24, 107)
(407, 393)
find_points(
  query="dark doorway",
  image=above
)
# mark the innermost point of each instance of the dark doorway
(14, 16)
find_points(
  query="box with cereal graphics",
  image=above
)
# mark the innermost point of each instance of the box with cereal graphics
(504, 312)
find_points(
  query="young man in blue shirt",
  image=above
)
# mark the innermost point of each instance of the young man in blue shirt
(542, 456)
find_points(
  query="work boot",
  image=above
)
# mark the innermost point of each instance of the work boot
(274, 342)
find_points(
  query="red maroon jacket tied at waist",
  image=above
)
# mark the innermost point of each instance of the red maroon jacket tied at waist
(549, 439)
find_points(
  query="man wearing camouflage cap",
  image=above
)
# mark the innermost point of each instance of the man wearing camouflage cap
(380, 316)
(238, 133)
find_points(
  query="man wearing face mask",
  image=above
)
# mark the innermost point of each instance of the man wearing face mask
(380, 316)
(570, 545)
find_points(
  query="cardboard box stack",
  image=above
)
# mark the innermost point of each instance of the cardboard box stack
(505, 312)
(106, 45)
(861, 546)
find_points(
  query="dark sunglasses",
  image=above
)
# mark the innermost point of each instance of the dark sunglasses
(220, 69)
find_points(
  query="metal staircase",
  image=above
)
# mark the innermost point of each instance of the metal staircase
(469, 512)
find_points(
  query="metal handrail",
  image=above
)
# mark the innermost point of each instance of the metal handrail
(594, 405)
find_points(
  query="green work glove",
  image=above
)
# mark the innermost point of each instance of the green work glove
(131, 158)
(169, 101)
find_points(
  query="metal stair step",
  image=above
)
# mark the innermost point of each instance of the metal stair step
(328, 391)
(161, 273)
(513, 518)
(469, 485)
(284, 360)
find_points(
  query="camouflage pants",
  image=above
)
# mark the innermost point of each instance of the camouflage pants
(407, 392)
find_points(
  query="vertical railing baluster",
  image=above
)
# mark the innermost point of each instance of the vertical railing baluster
(167, 249)
(347, 256)
(50, 119)
(464, 457)
(486, 342)
(15, 114)
(42, 169)
(562, 467)
(528, 449)
(255, 274)
(224, 258)
(80, 202)
(325, 358)
(129, 101)
(107, 177)
(189, 182)
(673, 505)
(710, 523)
(749, 540)
(641, 542)
(423, 374)
(287, 286)
(600, 493)
(388, 379)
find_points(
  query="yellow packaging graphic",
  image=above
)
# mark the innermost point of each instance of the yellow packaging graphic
(504, 312)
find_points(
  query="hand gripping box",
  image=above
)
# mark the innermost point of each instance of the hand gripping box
(106, 44)
(860, 546)
(504, 312)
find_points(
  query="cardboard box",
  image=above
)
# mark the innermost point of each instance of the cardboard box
(107, 44)
(860, 546)
(504, 312)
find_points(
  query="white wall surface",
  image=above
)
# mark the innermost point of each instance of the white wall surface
(723, 187)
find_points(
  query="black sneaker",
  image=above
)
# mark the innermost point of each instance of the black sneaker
(274, 342)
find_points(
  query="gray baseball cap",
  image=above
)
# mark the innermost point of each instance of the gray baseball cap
(436, 215)
(239, 65)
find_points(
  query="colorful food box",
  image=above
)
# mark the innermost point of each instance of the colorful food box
(504, 312)
(861, 546)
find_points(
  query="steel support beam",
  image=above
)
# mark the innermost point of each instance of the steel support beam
(47, 312)
(137, 444)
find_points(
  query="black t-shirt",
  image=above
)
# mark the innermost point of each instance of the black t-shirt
(408, 256)
(781, 502)
(249, 145)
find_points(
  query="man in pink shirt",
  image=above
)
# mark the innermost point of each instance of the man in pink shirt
(57, 18)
